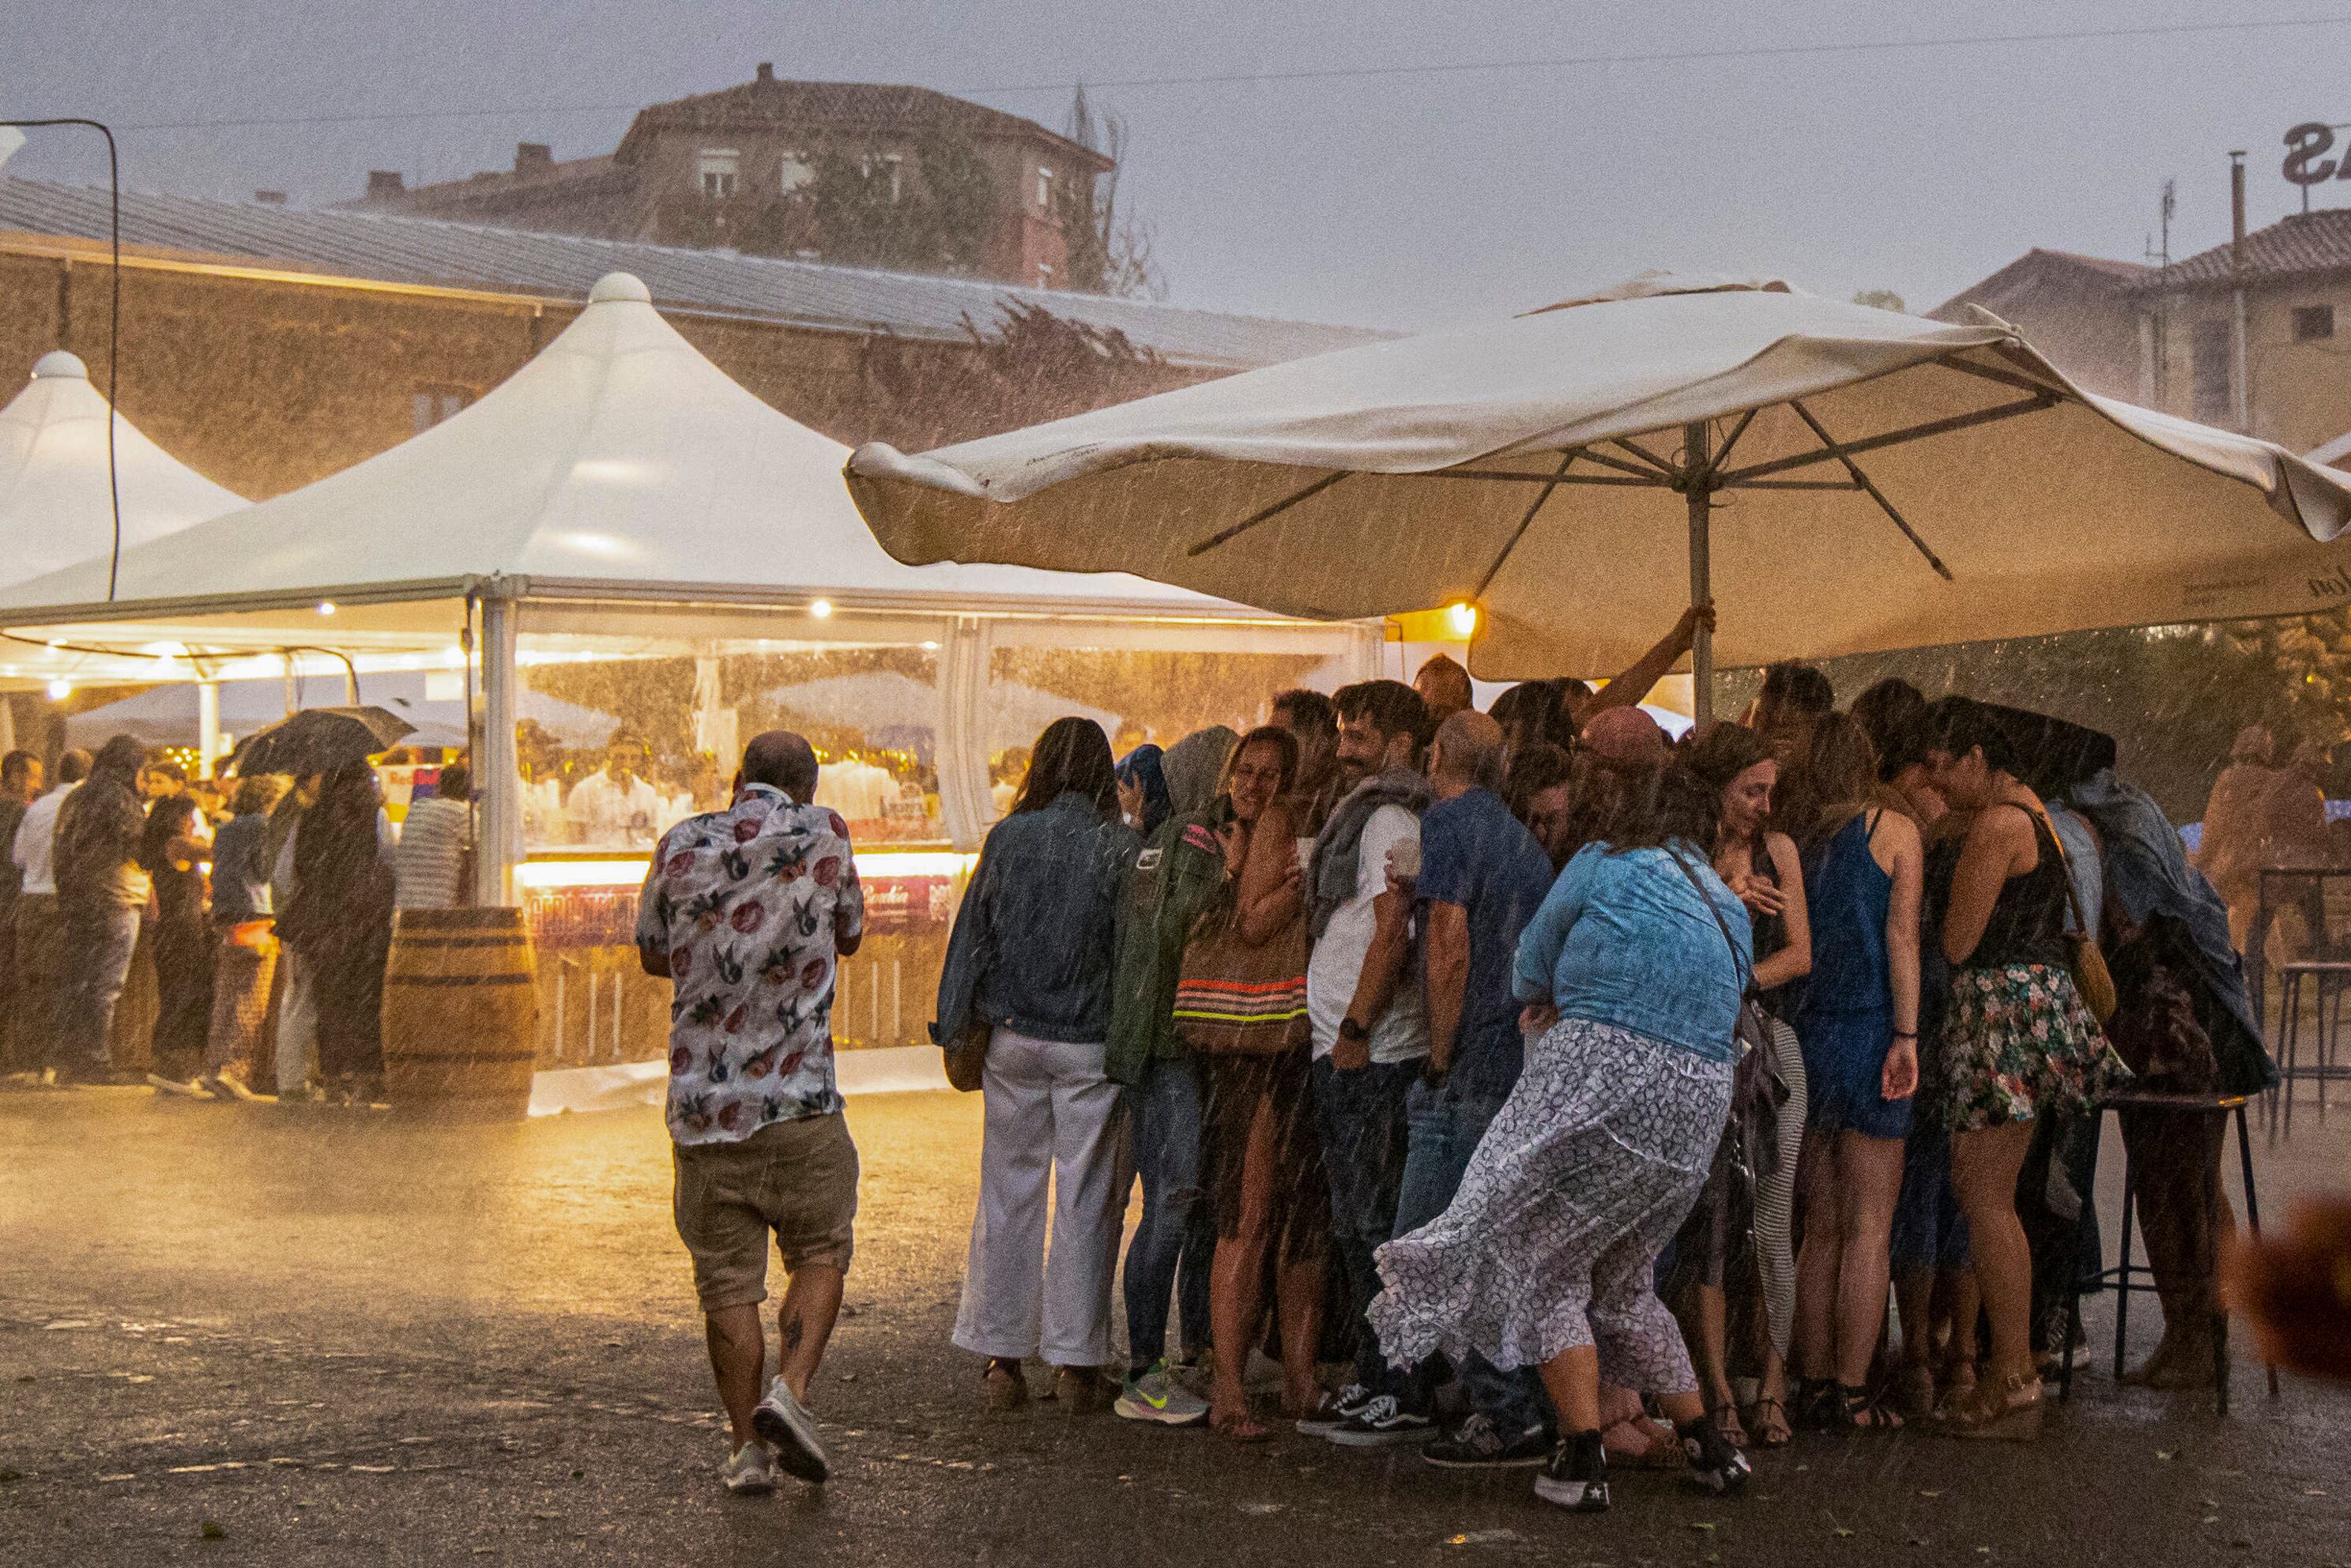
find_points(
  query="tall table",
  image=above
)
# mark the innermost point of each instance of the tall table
(2282, 887)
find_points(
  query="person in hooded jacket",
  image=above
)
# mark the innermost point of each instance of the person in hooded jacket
(102, 891)
(1168, 884)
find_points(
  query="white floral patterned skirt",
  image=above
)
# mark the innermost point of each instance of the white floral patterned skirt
(1552, 1241)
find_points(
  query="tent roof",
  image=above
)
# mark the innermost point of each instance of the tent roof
(54, 509)
(617, 462)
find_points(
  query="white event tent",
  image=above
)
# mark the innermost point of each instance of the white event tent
(58, 506)
(617, 496)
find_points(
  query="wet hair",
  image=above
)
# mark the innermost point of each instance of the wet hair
(167, 767)
(1389, 706)
(1720, 753)
(1285, 748)
(1530, 772)
(1303, 708)
(456, 783)
(1072, 757)
(1798, 688)
(73, 765)
(16, 766)
(1836, 776)
(1961, 725)
(1671, 804)
(260, 793)
(782, 760)
(1533, 714)
(171, 819)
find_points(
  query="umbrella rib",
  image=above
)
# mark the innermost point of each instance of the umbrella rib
(1616, 463)
(1643, 454)
(1566, 461)
(1722, 453)
(2005, 377)
(1245, 525)
(1894, 438)
(1865, 483)
(1641, 477)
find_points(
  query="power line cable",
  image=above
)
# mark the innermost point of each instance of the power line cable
(1358, 73)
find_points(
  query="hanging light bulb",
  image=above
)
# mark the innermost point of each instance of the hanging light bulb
(60, 689)
(1462, 619)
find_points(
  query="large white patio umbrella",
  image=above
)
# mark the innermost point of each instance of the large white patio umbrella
(1840, 479)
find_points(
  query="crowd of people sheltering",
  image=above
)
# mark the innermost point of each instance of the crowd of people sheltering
(227, 883)
(1592, 1090)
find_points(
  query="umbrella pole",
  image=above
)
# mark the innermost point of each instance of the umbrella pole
(1699, 470)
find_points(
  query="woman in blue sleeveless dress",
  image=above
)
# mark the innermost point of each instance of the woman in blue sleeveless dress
(1858, 1023)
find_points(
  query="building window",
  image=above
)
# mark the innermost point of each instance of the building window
(1044, 275)
(895, 164)
(718, 166)
(2313, 323)
(2214, 399)
(429, 405)
(1044, 187)
(796, 173)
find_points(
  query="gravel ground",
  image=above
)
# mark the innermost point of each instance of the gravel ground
(246, 1335)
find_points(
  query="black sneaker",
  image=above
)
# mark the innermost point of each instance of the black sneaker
(1577, 1476)
(1336, 1410)
(1479, 1444)
(1714, 1465)
(1380, 1423)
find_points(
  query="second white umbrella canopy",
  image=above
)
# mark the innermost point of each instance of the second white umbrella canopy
(1841, 478)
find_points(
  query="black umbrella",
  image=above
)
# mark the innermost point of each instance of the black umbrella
(319, 740)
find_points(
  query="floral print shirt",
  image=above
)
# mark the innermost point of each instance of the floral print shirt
(747, 903)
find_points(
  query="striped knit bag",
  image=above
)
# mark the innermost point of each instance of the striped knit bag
(1235, 998)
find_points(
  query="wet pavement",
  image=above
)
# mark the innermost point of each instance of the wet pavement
(235, 1335)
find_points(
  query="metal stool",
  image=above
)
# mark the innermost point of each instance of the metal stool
(2125, 1276)
(2330, 980)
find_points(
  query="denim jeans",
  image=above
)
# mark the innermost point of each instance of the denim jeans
(98, 942)
(1177, 1225)
(1360, 1114)
(1445, 1125)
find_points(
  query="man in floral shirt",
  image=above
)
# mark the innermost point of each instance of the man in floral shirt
(747, 912)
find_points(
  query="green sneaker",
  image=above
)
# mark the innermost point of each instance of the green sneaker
(1157, 1397)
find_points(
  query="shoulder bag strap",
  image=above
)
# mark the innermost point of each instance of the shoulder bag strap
(1746, 981)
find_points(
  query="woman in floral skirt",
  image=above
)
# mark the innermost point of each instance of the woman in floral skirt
(2017, 1043)
(1632, 968)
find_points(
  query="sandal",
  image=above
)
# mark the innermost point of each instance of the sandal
(1859, 1410)
(1724, 1418)
(1660, 1450)
(1007, 1389)
(1239, 1428)
(2006, 1409)
(1767, 1423)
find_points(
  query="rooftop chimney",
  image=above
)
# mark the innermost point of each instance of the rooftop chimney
(270, 198)
(533, 158)
(384, 183)
(766, 71)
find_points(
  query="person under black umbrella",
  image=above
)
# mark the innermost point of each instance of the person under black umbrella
(337, 920)
(319, 739)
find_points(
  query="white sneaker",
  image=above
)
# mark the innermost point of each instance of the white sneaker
(784, 1424)
(749, 1470)
(227, 1085)
(173, 1086)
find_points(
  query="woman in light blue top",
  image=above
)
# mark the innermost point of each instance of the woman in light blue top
(1634, 968)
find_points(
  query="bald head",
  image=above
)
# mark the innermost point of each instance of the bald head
(1468, 753)
(782, 760)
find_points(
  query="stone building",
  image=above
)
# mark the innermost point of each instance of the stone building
(743, 168)
(268, 347)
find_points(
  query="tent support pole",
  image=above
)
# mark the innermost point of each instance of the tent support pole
(1698, 490)
(498, 765)
(207, 728)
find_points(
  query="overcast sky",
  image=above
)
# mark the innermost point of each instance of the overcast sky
(1403, 200)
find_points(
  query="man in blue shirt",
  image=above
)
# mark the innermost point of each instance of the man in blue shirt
(1482, 875)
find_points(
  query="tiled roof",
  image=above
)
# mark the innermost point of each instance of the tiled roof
(572, 177)
(400, 249)
(2303, 242)
(2033, 262)
(846, 105)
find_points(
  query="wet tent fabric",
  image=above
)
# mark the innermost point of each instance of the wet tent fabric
(1415, 473)
(617, 460)
(167, 715)
(55, 508)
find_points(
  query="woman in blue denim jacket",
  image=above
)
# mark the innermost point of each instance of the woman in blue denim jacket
(1029, 965)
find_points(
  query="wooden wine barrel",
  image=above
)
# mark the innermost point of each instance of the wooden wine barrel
(460, 1015)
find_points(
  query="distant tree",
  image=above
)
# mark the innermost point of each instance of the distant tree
(1108, 251)
(1030, 365)
(933, 216)
(1880, 300)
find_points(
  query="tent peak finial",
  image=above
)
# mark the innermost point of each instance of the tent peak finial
(58, 365)
(619, 286)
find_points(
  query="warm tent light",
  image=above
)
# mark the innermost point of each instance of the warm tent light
(820, 608)
(325, 607)
(1462, 617)
(59, 690)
